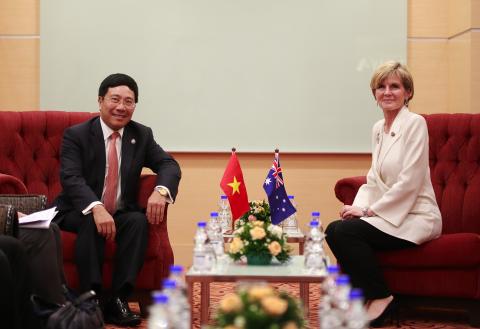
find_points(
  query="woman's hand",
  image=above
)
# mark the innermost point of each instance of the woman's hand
(348, 212)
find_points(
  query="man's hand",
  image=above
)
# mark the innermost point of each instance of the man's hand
(348, 212)
(20, 214)
(155, 208)
(104, 221)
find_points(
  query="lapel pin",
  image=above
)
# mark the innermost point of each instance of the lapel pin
(392, 134)
(133, 141)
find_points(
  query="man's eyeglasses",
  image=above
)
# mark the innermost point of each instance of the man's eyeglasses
(127, 102)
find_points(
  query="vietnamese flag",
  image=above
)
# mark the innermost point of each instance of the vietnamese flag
(234, 187)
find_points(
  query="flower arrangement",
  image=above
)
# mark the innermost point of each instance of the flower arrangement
(259, 210)
(259, 306)
(256, 238)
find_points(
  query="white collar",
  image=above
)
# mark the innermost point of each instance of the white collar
(107, 131)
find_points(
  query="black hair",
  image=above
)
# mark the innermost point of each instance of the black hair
(115, 80)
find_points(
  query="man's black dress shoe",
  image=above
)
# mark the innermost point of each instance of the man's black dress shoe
(117, 312)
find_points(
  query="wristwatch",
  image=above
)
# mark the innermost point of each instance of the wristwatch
(365, 212)
(162, 191)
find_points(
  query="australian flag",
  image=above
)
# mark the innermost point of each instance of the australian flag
(280, 206)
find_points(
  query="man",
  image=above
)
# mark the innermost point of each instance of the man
(100, 165)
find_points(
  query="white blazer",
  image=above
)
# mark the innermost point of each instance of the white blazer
(398, 189)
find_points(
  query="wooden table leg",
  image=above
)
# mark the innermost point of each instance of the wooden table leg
(305, 297)
(190, 298)
(205, 302)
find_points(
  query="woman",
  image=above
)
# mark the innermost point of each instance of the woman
(396, 208)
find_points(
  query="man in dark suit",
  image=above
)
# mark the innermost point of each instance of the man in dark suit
(101, 162)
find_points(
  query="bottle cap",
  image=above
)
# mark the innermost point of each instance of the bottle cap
(291, 197)
(176, 268)
(201, 224)
(159, 297)
(169, 284)
(342, 280)
(314, 223)
(223, 197)
(333, 269)
(315, 214)
(355, 293)
(214, 214)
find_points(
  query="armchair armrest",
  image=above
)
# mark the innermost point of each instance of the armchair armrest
(347, 188)
(26, 203)
(11, 184)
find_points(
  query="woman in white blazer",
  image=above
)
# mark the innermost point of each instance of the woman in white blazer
(396, 208)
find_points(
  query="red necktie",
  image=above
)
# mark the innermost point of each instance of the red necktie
(111, 181)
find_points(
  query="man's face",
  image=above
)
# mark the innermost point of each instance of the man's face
(117, 107)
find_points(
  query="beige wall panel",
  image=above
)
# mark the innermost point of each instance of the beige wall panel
(459, 16)
(475, 78)
(459, 56)
(311, 178)
(475, 14)
(427, 18)
(19, 74)
(19, 17)
(428, 62)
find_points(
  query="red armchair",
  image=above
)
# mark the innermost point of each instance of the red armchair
(445, 271)
(29, 163)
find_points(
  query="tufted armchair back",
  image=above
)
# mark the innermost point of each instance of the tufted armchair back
(30, 149)
(455, 169)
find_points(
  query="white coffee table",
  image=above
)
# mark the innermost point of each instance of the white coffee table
(292, 271)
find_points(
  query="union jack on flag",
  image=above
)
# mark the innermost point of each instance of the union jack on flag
(280, 206)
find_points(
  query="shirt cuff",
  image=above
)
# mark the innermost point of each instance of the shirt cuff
(89, 208)
(169, 199)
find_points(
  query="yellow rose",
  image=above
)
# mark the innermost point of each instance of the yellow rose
(274, 306)
(257, 233)
(290, 325)
(259, 292)
(236, 245)
(257, 223)
(231, 303)
(275, 248)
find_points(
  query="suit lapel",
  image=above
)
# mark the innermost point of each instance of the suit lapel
(128, 151)
(395, 132)
(98, 143)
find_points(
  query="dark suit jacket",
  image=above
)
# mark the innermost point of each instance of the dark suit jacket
(82, 165)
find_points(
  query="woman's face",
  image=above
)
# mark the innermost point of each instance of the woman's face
(390, 94)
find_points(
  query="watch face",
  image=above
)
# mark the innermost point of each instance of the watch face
(162, 192)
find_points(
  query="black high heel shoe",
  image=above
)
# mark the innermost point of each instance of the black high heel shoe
(389, 312)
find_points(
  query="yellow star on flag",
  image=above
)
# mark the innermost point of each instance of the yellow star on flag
(235, 185)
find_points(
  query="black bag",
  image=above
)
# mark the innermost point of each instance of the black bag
(77, 313)
(8, 220)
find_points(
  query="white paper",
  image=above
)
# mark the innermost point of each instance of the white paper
(39, 219)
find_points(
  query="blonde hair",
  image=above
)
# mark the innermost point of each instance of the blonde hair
(388, 69)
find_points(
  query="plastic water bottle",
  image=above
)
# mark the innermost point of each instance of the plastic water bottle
(356, 316)
(332, 312)
(329, 284)
(315, 257)
(328, 317)
(215, 235)
(158, 312)
(342, 293)
(290, 224)
(178, 307)
(201, 255)
(225, 215)
(176, 272)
